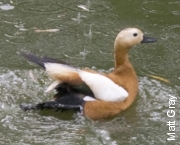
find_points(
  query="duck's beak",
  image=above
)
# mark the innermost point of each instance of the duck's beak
(148, 40)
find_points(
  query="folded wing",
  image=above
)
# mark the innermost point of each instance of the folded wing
(102, 87)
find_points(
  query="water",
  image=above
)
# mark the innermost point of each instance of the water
(85, 36)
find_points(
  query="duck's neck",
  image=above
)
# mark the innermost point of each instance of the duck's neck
(121, 57)
(125, 70)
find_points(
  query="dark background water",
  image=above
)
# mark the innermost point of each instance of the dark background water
(85, 38)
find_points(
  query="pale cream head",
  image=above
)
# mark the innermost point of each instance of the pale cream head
(125, 40)
(129, 37)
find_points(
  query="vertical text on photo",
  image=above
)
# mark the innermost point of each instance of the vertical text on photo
(171, 115)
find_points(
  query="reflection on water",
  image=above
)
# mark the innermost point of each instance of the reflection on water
(6, 7)
(87, 29)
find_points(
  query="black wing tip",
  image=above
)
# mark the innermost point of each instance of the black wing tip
(33, 58)
(49, 105)
(41, 60)
(26, 107)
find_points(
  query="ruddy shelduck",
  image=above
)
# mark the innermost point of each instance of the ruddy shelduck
(109, 93)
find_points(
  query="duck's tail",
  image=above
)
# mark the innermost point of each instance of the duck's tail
(41, 61)
(58, 70)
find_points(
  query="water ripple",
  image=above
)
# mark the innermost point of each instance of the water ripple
(175, 6)
(154, 98)
(40, 7)
(175, 28)
(90, 6)
(17, 33)
(152, 7)
(155, 7)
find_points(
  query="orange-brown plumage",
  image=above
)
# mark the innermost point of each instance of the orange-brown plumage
(123, 75)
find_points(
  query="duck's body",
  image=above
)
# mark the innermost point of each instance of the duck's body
(113, 92)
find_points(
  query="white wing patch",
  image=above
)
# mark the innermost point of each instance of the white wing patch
(103, 88)
(53, 86)
(57, 69)
(54, 69)
(88, 98)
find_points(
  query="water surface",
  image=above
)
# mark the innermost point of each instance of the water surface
(87, 30)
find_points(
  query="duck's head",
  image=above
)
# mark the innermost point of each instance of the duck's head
(130, 37)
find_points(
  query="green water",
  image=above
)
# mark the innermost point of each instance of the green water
(85, 38)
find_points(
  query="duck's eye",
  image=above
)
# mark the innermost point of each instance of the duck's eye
(135, 34)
